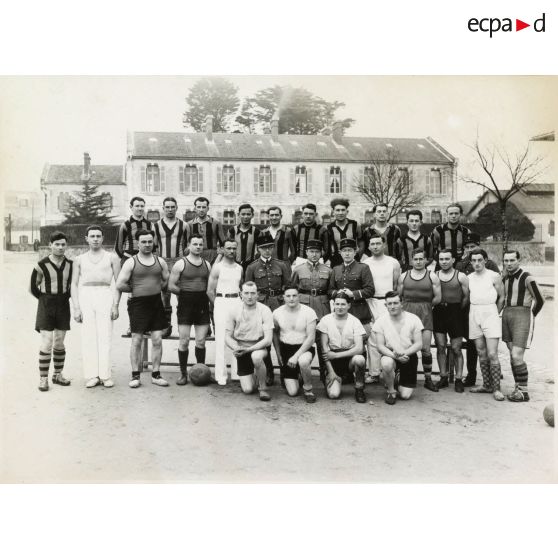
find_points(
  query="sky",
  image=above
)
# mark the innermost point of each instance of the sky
(56, 119)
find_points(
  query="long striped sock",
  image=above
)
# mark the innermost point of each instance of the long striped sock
(514, 372)
(495, 372)
(521, 375)
(58, 358)
(427, 364)
(485, 371)
(44, 363)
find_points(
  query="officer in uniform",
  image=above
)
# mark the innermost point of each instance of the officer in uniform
(271, 276)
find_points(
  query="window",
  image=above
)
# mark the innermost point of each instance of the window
(368, 216)
(436, 182)
(229, 217)
(300, 180)
(326, 219)
(63, 201)
(226, 179)
(109, 201)
(190, 179)
(335, 180)
(401, 217)
(153, 215)
(436, 216)
(297, 217)
(189, 215)
(404, 180)
(368, 178)
(23, 202)
(264, 217)
(265, 179)
(153, 179)
(551, 228)
(24, 239)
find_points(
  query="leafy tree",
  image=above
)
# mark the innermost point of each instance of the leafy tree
(387, 179)
(89, 207)
(504, 176)
(300, 112)
(213, 96)
(519, 227)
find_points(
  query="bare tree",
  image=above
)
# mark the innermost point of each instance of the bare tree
(505, 175)
(386, 178)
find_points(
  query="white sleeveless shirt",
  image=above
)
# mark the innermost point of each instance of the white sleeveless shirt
(481, 287)
(382, 273)
(91, 272)
(229, 279)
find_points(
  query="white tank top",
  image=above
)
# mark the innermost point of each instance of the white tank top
(382, 274)
(229, 279)
(97, 273)
(481, 287)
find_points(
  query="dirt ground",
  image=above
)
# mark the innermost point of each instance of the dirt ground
(217, 434)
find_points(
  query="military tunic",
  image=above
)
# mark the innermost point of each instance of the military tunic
(358, 278)
(313, 282)
(270, 277)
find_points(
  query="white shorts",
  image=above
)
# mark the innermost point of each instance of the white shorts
(484, 322)
(377, 307)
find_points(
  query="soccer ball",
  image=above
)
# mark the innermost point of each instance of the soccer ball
(548, 414)
(200, 375)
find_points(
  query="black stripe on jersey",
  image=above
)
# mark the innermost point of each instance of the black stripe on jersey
(510, 290)
(521, 289)
(46, 276)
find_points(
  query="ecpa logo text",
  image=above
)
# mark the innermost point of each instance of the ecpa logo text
(492, 25)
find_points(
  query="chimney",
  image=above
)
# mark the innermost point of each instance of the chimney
(209, 127)
(86, 166)
(338, 132)
(275, 127)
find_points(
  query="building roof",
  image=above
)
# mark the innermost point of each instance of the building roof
(258, 147)
(547, 136)
(534, 198)
(72, 174)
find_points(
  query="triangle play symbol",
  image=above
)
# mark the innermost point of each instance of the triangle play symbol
(519, 25)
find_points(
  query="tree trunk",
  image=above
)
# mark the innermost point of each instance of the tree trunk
(504, 228)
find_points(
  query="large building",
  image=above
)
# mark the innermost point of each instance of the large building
(279, 169)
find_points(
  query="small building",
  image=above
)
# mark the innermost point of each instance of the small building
(278, 169)
(59, 182)
(23, 213)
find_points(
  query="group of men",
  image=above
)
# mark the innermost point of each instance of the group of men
(366, 298)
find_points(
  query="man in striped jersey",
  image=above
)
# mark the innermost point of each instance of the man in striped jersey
(245, 235)
(340, 228)
(306, 231)
(51, 284)
(520, 291)
(284, 247)
(169, 240)
(208, 228)
(450, 235)
(412, 240)
(388, 231)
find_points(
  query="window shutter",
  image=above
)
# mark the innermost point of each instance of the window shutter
(220, 216)
(445, 182)
(200, 179)
(256, 179)
(237, 179)
(291, 181)
(308, 181)
(326, 180)
(143, 171)
(344, 180)
(219, 180)
(427, 181)
(162, 180)
(274, 180)
(181, 180)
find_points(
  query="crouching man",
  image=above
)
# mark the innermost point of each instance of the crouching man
(293, 336)
(399, 339)
(248, 333)
(342, 343)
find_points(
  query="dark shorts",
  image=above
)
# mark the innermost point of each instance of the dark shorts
(449, 318)
(341, 366)
(53, 312)
(407, 372)
(193, 309)
(245, 364)
(516, 325)
(147, 313)
(287, 351)
(423, 310)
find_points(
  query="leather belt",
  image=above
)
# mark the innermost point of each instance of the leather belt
(271, 292)
(313, 292)
(228, 295)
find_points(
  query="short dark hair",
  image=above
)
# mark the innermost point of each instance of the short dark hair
(339, 201)
(516, 252)
(195, 235)
(290, 286)
(201, 199)
(274, 208)
(379, 205)
(479, 251)
(418, 251)
(376, 235)
(58, 235)
(445, 251)
(310, 206)
(455, 205)
(246, 206)
(93, 228)
(136, 198)
(170, 199)
(414, 212)
(344, 296)
(392, 294)
(142, 232)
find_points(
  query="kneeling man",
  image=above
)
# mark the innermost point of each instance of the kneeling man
(293, 336)
(248, 333)
(399, 339)
(342, 343)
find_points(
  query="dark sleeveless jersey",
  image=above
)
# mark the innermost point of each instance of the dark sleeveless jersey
(452, 292)
(146, 280)
(418, 290)
(193, 278)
